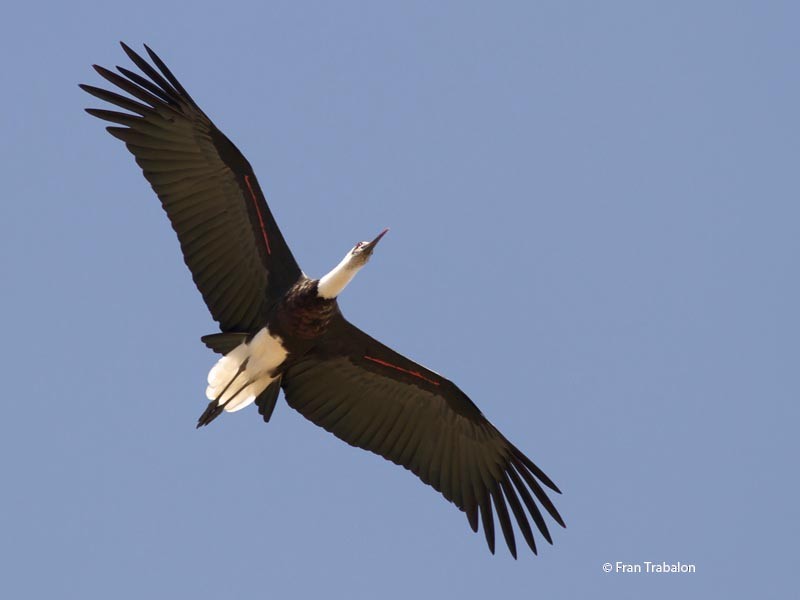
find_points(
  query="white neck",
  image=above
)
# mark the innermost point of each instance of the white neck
(332, 284)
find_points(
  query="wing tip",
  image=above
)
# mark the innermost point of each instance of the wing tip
(536, 471)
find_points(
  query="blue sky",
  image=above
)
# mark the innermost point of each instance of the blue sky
(594, 213)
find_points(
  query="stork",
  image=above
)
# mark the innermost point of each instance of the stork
(279, 329)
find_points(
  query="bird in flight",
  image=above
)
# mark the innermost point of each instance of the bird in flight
(282, 330)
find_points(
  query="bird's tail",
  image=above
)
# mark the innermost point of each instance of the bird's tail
(232, 385)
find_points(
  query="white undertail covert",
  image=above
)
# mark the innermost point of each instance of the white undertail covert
(241, 375)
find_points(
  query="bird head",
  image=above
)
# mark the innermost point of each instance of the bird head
(332, 284)
(362, 251)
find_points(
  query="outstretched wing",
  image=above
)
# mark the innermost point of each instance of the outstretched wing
(372, 397)
(231, 244)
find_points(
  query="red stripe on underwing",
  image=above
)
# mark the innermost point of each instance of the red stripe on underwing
(258, 212)
(401, 369)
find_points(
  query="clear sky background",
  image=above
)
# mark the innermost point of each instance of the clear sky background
(594, 213)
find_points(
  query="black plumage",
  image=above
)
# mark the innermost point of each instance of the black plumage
(334, 374)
